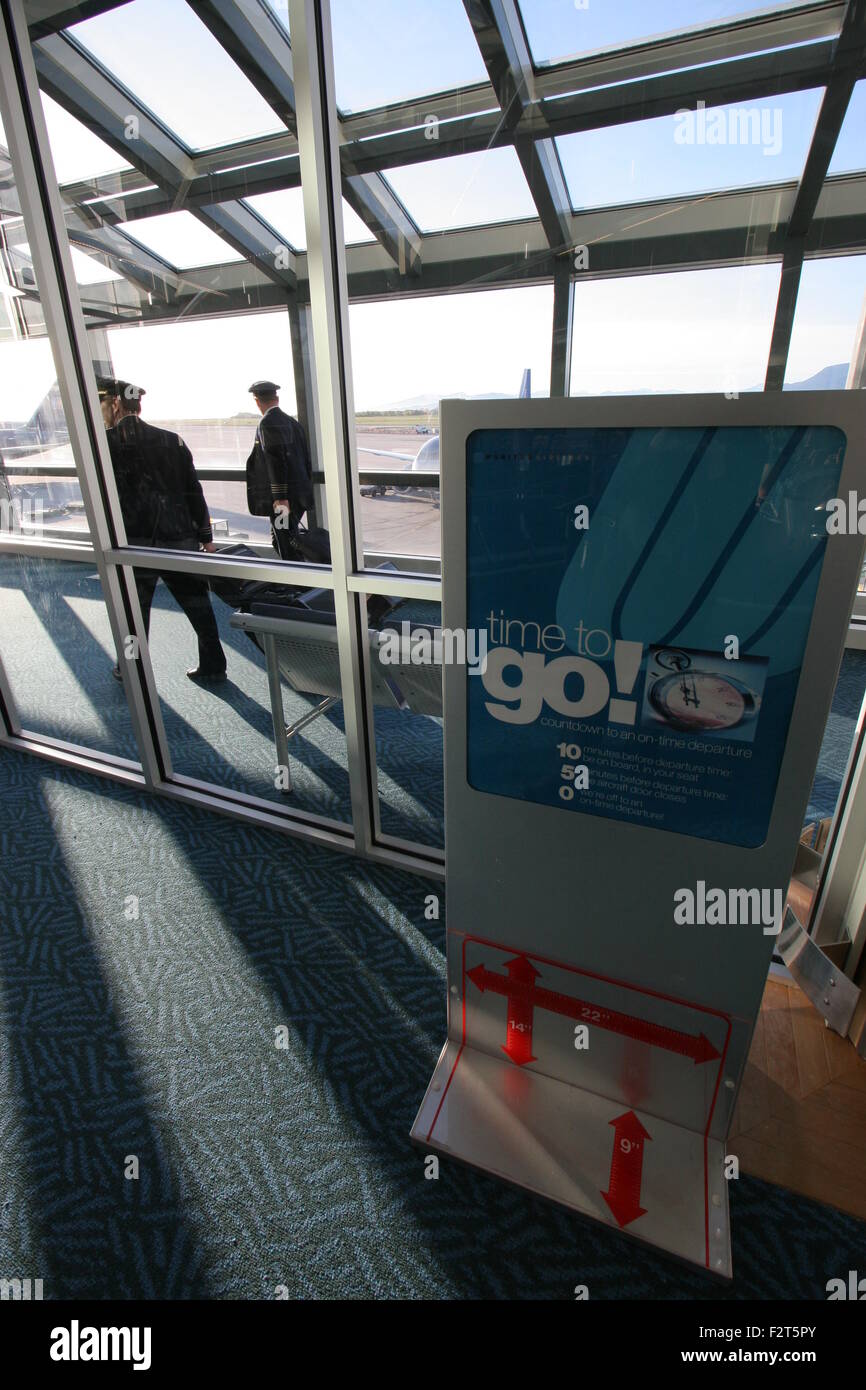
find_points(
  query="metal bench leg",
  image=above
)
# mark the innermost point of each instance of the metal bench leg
(278, 714)
(313, 714)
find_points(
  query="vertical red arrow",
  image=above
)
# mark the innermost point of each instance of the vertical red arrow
(626, 1167)
(518, 1035)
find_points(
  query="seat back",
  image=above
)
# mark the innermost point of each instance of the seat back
(308, 656)
(420, 684)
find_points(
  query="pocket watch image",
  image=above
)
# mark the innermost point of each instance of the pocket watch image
(698, 701)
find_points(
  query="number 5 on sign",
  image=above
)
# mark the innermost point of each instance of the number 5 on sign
(578, 776)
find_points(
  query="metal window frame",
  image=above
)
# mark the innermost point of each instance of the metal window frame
(259, 45)
(834, 105)
(524, 105)
(43, 213)
(318, 138)
(721, 61)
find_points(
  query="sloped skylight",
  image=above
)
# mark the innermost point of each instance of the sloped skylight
(464, 190)
(180, 239)
(699, 150)
(172, 63)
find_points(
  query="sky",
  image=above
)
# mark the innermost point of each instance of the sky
(702, 330)
(666, 157)
(178, 79)
(212, 363)
(558, 31)
(829, 303)
(705, 330)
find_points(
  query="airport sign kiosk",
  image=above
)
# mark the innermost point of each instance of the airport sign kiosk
(665, 608)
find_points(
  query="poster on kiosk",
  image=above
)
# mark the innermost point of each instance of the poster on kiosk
(660, 588)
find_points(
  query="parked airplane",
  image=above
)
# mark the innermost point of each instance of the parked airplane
(426, 460)
(22, 443)
(45, 429)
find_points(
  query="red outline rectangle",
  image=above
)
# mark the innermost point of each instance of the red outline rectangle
(622, 984)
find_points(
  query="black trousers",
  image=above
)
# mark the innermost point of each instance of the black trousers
(193, 596)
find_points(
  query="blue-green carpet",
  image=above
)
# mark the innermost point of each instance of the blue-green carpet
(149, 952)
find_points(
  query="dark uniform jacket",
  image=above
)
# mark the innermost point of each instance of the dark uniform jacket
(279, 466)
(160, 495)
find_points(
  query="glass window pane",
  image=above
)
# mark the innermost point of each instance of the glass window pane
(27, 374)
(836, 744)
(88, 270)
(196, 377)
(393, 50)
(181, 240)
(224, 733)
(280, 10)
(172, 63)
(698, 150)
(409, 762)
(198, 340)
(57, 650)
(284, 211)
(829, 778)
(850, 151)
(39, 490)
(75, 151)
(406, 355)
(701, 330)
(829, 304)
(556, 32)
(37, 470)
(464, 190)
(194, 342)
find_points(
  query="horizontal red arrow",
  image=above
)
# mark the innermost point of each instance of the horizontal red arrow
(626, 1169)
(524, 990)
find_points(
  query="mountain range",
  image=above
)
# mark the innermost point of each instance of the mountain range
(827, 379)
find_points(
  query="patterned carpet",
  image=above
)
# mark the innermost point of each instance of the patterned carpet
(153, 1035)
(264, 1169)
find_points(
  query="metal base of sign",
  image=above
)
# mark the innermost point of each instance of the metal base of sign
(833, 994)
(651, 1179)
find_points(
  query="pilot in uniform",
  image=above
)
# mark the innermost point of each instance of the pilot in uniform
(163, 505)
(108, 391)
(279, 470)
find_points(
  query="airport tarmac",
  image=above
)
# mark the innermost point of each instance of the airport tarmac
(397, 523)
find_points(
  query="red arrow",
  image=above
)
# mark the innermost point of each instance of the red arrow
(523, 989)
(626, 1165)
(518, 1035)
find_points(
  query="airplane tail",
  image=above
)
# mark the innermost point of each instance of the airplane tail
(526, 384)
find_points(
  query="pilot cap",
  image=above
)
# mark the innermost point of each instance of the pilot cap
(128, 391)
(107, 387)
(264, 388)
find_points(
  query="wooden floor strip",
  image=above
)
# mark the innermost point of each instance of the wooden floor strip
(800, 1119)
